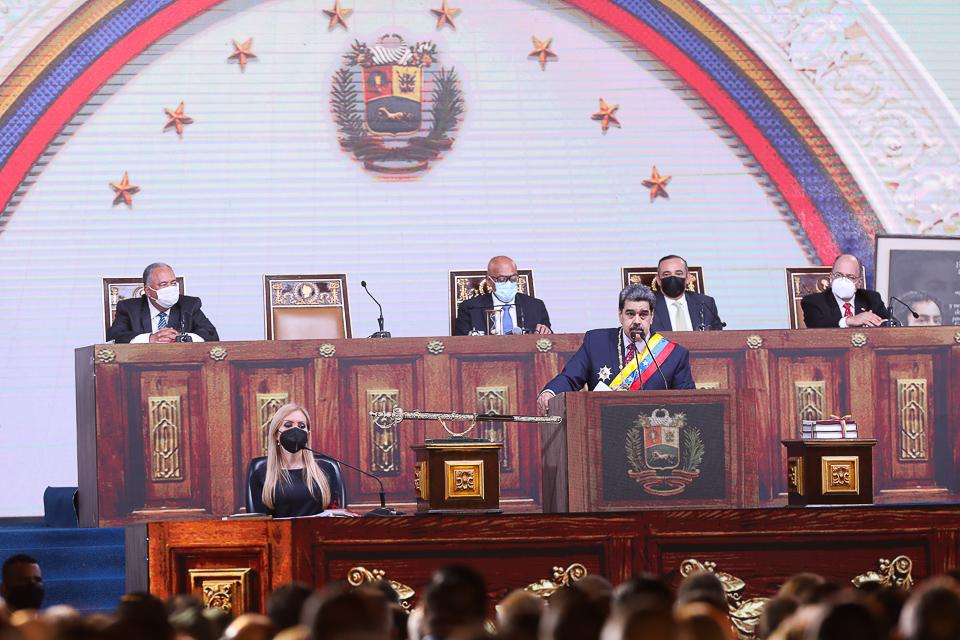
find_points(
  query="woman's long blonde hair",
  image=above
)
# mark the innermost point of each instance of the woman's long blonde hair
(277, 473)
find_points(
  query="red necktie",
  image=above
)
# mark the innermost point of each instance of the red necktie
(847, 312)
(631, 352)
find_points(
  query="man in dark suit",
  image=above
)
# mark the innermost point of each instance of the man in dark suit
(844, 304)
(605, 352)
(161, 313)
(678, 309)
(520, 311)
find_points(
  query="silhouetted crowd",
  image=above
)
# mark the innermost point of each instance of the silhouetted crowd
(454, 606)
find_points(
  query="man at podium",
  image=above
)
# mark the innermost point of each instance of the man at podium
(620, 359)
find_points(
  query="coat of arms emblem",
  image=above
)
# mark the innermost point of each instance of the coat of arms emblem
(657, 460)
(380, 98)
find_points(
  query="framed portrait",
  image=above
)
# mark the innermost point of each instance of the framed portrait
(923, 272)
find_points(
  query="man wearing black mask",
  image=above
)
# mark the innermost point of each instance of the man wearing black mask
(677, 308)
(22, 585)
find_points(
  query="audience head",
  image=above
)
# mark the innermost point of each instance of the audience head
(285, 604)
(250, 626)
(572, 615)
(22, 583)
(645, 591)
(802, 586)
(363, 613)
(141, 616)
(777, 609)
(702, 586)
(518, 615)
(640, 624)
(932, 613)
(844, 621)
(455, 598)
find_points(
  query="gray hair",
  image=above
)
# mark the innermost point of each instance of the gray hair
(149, 271)
(637, 293)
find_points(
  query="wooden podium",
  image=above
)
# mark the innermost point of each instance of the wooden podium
(457, 475)
(829, 472)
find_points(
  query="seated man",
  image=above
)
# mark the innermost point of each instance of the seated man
(22, 585)
(925, 305)
(844, 304)
(520, 311)
(678, 309)
(618, 357)
(161, 314)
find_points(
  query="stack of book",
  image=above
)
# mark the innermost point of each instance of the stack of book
(832, 429)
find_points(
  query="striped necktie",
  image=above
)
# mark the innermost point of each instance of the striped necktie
(162, 322)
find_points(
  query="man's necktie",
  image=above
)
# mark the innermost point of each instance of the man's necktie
(680, 318)
(162, 322)
(847, 311)
(631, 352)
(507, 320)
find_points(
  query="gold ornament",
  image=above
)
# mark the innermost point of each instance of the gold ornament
(327, 350)
(106, 355)
(435, 347)
(544, 345)
(754, 342)
(218, 353)
(858, 340)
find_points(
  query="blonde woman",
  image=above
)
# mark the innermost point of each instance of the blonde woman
(291, 481)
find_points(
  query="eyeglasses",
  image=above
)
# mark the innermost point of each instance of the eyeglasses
(643, 315)
(502, 279)
(848, 276)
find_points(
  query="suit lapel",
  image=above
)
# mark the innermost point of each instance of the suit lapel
(835, 312)
(146, 326)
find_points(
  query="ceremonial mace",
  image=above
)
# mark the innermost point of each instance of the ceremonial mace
(398, 415)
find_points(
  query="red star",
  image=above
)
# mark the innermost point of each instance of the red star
(657, 185)
(542, 51)
(606, 114)
(242, 53)
(177, 119)
(124, 190)
(337, 15)
(445, 15)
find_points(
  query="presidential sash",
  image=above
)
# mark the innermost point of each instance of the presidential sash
(636, 372)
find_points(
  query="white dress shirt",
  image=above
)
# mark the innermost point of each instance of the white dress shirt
(853, 309)
(498, 304)
(672, 311)
(155, 326)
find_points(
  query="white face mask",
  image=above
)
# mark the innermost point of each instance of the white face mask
(168, 296)
(843, 288)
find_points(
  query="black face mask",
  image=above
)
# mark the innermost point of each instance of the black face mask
(293, 440)
(26, 596)
(673, 286)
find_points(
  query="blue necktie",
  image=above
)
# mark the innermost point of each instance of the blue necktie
(162, 324)
(507, 320)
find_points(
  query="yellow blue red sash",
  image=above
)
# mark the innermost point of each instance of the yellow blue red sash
(634, 374)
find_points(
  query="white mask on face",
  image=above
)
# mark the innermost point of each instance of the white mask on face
(168, 296)
(843, 288)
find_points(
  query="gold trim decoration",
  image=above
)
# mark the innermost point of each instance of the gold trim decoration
(858, 340)
(384, 441)
(267, 405)
(494, 401)
(359, 575)
(809, 396)
(306, 293)
(435, 347)
(164, 417)
(744, 614)
(840, 474)
(754, 342)
(708, 385)
(544, 345)
(224, 589)
(956, 337)
(218, 353)
(795, 475)
(463, 479)
(561, 578)
(891, 574)
(421, 486)
(912, 419)
(106, 355)
(327, 350)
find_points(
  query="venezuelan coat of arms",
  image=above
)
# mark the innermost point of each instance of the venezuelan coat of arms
(395, 110)
(664, 452)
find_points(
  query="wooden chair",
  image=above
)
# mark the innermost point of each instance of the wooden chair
(802, 281)
(117, 289)
(306, 307)
(469, 284)
(648, 276)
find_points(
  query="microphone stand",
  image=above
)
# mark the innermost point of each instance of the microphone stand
(643, 334)
(383, 510)
(376, 334)
(892, 321)
(702, 324)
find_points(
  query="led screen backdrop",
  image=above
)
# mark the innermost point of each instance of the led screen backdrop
(236, 139)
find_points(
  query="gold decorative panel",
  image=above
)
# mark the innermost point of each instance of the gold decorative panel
(898, 573)
(912, 419)
(708, 385)
(226, 589)
(384, 442)
(493, 400)
(810, 399)
(311, 293)
(795, 475)
(463, 479)
(561, 578)
(421, 484)
(360, 575)
(166, 434)
(841, 474)
(267, 405)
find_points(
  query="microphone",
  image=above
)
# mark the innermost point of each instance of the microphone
(643, 334)
(703, 326)
(381, 333)
(183, 337)
(383, 510)
(915, 314)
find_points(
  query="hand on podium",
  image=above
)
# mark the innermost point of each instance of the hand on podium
(542, 401)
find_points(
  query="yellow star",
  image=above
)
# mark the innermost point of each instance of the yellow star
(124, 190)
(242, 53)
(542, 51)
(177, 119)
(606, 114)
(445, 15)
(657, 185)
(337, 15)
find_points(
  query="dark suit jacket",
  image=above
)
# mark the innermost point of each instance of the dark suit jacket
(133, 318)
(470, 313)
(662, 312)
(601, 349)
(821, 311)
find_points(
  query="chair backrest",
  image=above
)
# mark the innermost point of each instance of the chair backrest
(470, 284)
(648, 276)
(330, 467)
(117, 289)
(802, 281)
(306, 307)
